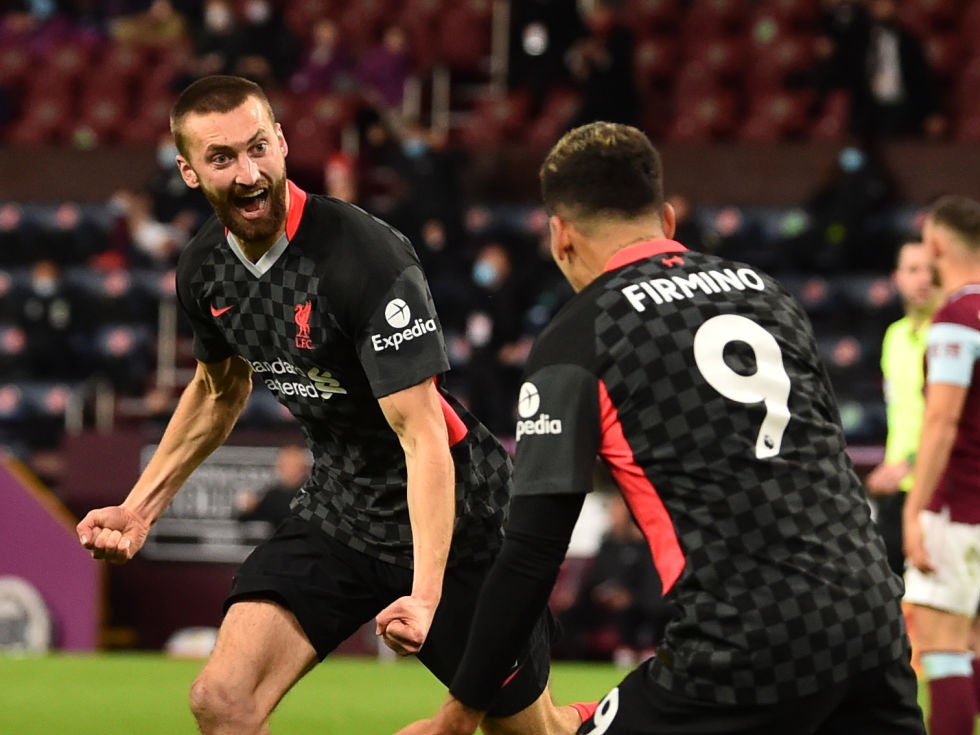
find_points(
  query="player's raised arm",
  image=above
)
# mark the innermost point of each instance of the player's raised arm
(415, 414)
(207, 411)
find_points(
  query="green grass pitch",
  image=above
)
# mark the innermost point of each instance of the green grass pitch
(146, 694)
(133, 694)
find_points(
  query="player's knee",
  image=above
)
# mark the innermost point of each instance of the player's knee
(214, 703)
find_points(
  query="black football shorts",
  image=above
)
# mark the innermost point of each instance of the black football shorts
(333, 590)
(877, 702)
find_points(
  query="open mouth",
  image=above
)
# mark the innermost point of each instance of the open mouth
(252, 205)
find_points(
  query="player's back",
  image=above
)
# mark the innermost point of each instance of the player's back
(954, 357)
(712, 373)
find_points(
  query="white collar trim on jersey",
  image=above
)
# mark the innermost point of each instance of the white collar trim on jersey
(263, 264)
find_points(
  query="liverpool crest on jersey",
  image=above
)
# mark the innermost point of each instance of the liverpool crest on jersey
(302, 314)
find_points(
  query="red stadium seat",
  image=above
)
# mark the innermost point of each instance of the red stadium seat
(967, 129)
(553, 119)
(464, 36)
(654, 17)
(774, 63)
(707, 18)
(945, 54)
(723, 57)
(655, 61)
(48, 115)
(772, 117)
(103, 113)
(711, 116)
(798, 15)
(15, 66)
(833, 119)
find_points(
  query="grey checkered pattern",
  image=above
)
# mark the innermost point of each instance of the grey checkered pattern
(785, 588)
(357, 491)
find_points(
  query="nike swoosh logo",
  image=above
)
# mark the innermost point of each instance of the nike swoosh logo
(216, 312)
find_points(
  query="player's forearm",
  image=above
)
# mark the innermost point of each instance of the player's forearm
(200, 424)
(938, 435)
(432, 510)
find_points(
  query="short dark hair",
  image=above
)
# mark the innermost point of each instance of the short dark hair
(217, 93)
(960, 214)
(603, 169)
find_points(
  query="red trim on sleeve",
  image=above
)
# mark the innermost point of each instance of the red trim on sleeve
(297, 202)
(454, 424)
(640, 494)
(642, 251)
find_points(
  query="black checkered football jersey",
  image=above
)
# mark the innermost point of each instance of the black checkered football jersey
(697, 381)
(334, 316)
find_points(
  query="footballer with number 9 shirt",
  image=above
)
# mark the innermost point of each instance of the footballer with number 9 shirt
(402, 513)
(697, 382)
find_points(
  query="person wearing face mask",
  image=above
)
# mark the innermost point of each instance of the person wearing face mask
(46, 316)
(494, 332)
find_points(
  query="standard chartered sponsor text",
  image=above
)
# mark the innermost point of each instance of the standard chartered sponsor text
(317, 384)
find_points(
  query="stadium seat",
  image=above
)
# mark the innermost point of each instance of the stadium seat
(47, 118)
(13, 348)
(723, 57)
(103, 113)
(780, 115)
(464, 36)
(15, 66)
(123, 354)
(944, 52)
(655, 62)
(710, 116)
(774, 64)
(798, 15)
(654, 17)
(706, 18)
(832, 122)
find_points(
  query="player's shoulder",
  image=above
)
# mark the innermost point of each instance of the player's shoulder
(962, 308)
(570, 335)
(209, 236)
(345, 231)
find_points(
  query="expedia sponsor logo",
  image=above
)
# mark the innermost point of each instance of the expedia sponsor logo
(399, 316)
(313, 383)
(528, 403)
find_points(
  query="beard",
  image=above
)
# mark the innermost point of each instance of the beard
(228, 207)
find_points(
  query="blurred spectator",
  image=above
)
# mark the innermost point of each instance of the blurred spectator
(883, 66)
(153, 243)
(602, 66)
(898, 95)
(384, 68)
(173, 201)
(327, 66)
(47, 316)
(857, 186)
(541, 33)
(216, 44)
(159, 26)
(494, 334)
(267, 47)
(271, 504)
(618, 610)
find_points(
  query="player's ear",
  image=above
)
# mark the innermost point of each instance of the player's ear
(669, 220)
(560, 237)
(187, 173)
(283, 146)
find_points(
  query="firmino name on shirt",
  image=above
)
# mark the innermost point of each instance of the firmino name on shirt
(676, 288)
